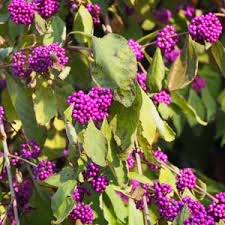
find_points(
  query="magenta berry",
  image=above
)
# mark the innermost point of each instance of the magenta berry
(172, 56)
(99, 183)
(92, 170)
(160, 156)
(141, 79)
(198, 84)
(187, 9)
(140, 204)
(2, 112)
(30, 150)
(131, 160)
(20, 66)
(80, 191)
(167, 38)
(65, 152)
(83, 213)
(163, 15)
(186, 179)
(44, 169)
(205, 28)
(137, 49)
(94, 10)
(47, 8)
(15, 161)
(162, 97)
(21, 11)
(217, 209)
(93, 105)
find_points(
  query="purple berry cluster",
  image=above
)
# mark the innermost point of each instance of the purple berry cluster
(15, 161)
(137, 49)
(167, 38)
(217, 209)
(42, 57)
(83, 213)
(43, 170)
(168, 208)
(163, 15)
(21, 11)
(198, 213)
(80, 192)
(162, 97)
(91, 175)
(30, 150)
(205, 28)
(131, 160)
(172, 56)
(93, 105)
(2, 112)
(141, 79)
(94, 10)
(187, 9)
(20, 66)
(47, 8)
(198, 84)
(160, 156)
(186, 179)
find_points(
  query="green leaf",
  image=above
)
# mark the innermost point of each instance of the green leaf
(217, 51)
(117, 203)
(118, 75)
(220, 223)
(221, 100)
(135, 215)
(147, 38)
(167, 177)
(196, 103)
(123, 123)
(62, 202)
(40, 24)
(185, 68)
(56, 31)
(156, 73)
(83, 22)
(118, 167)
(200, 195)
(27, 41)
(95, 145)
(59, 179)
(5, 52)
(22, 102)
(209, 103)
(141, 178)
(183, 215)
(186, 108)
(45, 106)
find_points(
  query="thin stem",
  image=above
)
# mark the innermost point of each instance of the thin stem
(142, 68)
(108, 27)
(146, 212)
(24, 160)
(78, 48)
(220, 14)
(8, 168)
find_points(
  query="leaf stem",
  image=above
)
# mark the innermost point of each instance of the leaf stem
(8, 168)
(78, 48)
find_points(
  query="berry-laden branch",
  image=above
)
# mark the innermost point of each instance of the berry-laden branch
(8, 168)
(146, 212)
(24, 160)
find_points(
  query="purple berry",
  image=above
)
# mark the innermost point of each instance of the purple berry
(163, 15)
(47, 8)
(186, 8)
(167, 38)
(93, 105)
(99, 183)
(20, 66)
(205, 28)
(172, 56)
(94, 10)
(160, 156)
(2, 112)
(65, 152)
(30, 150)
(80, 191)
(198, 84)
(217, 209)
(186, 179)
(131, 160)
(21, 11)
(83, 213)
(137, 49)
(92, 170)
(43, 170)
(162, 96)
(141, 79)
